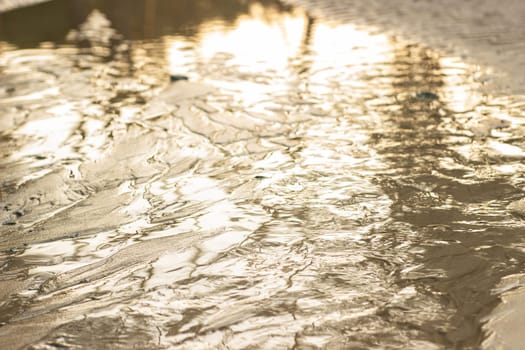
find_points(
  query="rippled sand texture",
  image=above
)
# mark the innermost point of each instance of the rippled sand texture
(312, 185)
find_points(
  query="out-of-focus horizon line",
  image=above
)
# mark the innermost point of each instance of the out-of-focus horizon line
(9, 5)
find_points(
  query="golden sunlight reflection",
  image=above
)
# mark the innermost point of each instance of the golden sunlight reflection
(281, 44)
(459, 85)
(263, 38)
(348, 46)
(179, 57)
(50, 129)
(258, 40)
(307, 161)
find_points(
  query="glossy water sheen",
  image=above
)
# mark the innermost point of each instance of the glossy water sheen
(312, 185)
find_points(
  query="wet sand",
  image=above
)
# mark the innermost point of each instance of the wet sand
(486, 32)
(295, 193)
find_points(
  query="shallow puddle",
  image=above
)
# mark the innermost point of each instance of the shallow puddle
(240, 174)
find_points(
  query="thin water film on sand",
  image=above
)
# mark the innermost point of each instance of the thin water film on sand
(296, 184)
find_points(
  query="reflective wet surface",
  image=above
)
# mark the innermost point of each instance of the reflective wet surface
(310, 185)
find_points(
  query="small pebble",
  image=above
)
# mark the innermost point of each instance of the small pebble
(177, 77)
(426, 95)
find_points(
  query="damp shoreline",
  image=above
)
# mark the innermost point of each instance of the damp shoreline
(355, 193)
(483, 32)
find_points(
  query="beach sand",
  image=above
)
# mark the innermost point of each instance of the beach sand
(485, 32)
